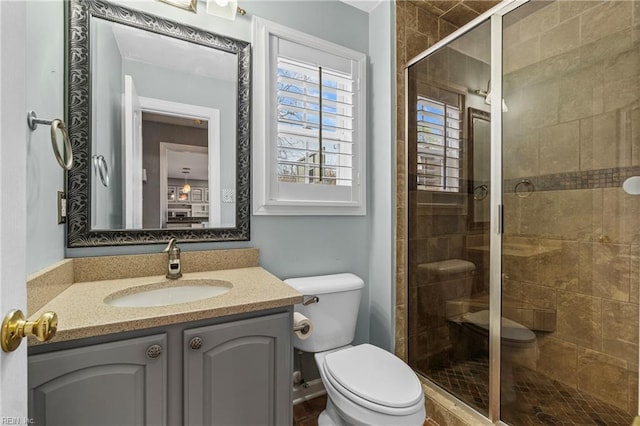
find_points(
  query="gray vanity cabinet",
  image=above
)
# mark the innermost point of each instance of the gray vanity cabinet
(118, 383)
(238, 373)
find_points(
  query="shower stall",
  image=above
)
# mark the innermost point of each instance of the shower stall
(523, 247)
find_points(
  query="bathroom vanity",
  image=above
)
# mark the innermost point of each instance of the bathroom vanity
(230, 372)
(224, 359)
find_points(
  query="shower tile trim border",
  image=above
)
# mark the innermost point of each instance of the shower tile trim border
(589, 179)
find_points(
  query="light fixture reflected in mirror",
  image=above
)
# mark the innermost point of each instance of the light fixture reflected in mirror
(186, 188)
(487, 97)
(191, 5)
(226, 9)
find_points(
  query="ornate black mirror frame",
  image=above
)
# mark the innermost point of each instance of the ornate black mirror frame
(78, 108)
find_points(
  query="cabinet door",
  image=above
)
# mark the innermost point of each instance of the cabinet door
(171, 194)
(241, 373)
(196, 195)
(120, 383)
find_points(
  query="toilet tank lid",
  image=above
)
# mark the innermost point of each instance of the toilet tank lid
(322, 284)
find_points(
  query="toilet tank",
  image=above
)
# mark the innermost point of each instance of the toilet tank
(335, 314)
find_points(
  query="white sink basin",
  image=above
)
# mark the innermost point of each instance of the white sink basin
(166, 293)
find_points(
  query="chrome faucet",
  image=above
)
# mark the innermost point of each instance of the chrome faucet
(174, 271)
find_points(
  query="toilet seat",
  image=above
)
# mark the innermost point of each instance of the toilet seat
(373, 379)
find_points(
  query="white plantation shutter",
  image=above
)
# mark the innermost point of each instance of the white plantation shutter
(315, 124)
(315, 132)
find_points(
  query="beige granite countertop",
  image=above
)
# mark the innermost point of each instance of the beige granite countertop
(82, 312)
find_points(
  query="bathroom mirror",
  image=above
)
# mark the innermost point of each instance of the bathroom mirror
(479, 172)
(159, 122)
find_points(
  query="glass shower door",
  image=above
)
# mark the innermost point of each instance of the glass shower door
(449, 199)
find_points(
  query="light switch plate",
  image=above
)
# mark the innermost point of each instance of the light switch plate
(228, 195)
(62, 207)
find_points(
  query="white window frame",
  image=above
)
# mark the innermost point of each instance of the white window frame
(266, 199)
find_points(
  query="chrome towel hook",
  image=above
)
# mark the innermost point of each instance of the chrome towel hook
(65, 159)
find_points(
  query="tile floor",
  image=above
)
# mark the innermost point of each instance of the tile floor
(539, 400)
(306, 413)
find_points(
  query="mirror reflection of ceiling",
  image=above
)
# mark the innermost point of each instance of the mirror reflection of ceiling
(197, 161)
(175, 120)
(162, 51)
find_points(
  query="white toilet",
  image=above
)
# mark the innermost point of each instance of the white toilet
(366, 385)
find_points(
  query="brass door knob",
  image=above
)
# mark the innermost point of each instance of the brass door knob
(14, 328)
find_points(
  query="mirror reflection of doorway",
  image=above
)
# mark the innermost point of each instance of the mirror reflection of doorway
(146, 172)
(172, 144)
(185, 169)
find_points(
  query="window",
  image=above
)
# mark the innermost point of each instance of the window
(309, 144)
(439, 145)
(309, 112)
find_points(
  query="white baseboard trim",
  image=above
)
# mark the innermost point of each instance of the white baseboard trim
(314, 389)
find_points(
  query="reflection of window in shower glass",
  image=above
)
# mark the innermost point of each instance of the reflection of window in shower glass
(439, 127)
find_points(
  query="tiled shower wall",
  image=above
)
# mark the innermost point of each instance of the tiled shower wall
(572, 84)
(573, 129)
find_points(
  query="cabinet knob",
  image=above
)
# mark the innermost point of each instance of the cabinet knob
(15, 328)
(154, 351)
(195, 343)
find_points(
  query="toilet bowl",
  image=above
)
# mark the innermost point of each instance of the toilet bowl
(369, 386)
(366, 385)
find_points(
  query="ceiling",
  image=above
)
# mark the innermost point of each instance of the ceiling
(365, 5)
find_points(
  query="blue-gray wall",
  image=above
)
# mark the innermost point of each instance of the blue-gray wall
(289, 246)
(45, 95)
(382, 175)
